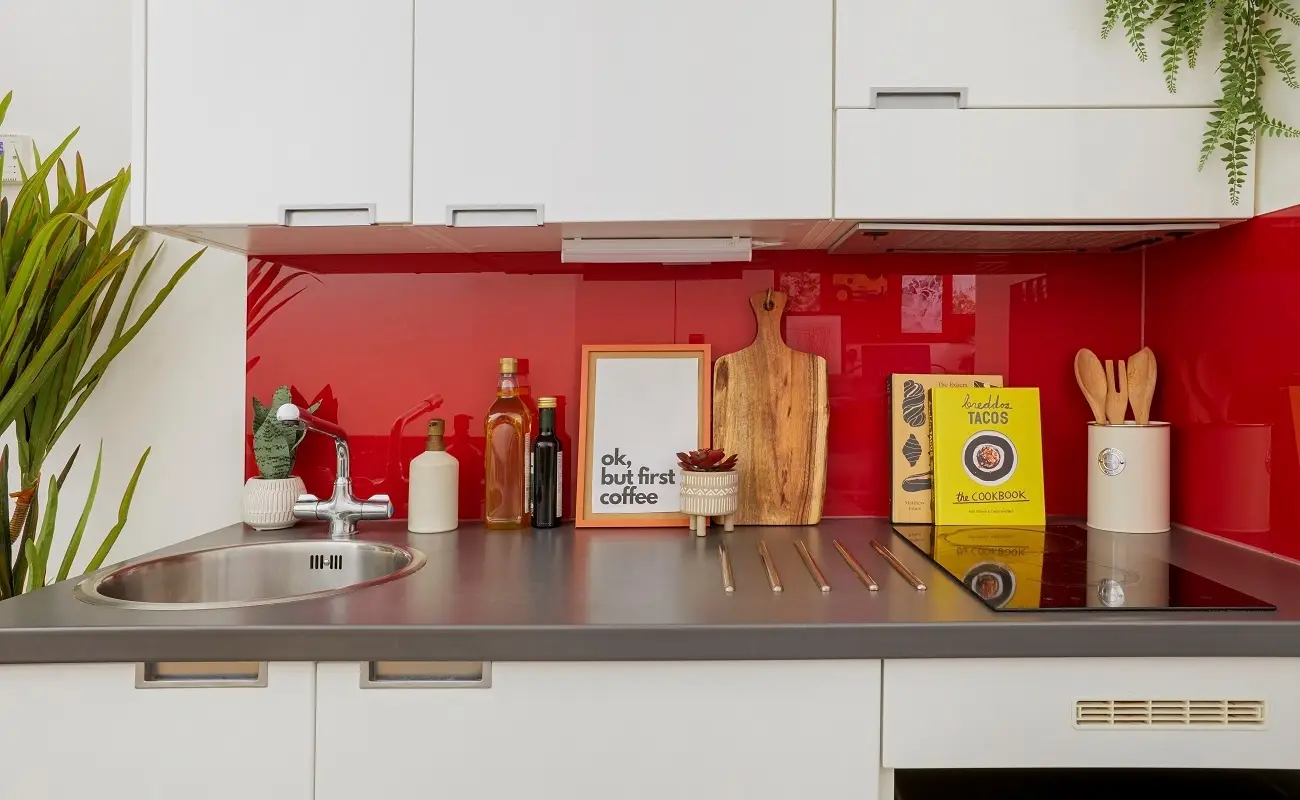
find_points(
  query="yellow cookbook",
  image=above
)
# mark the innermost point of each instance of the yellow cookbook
(909, 426)
(987, 449)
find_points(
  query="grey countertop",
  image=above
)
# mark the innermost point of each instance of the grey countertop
(650, 594)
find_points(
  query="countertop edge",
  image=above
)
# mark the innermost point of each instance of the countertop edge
(1266, 638)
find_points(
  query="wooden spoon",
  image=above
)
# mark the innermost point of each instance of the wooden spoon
(1116, 396)
(1092, 382)
(1142, 384)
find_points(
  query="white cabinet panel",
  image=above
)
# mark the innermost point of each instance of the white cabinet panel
(253, 105)
(74, 731)
(639, 110)
(593, 731)
(1007, 53)
(1029, 164)
(1229, 713)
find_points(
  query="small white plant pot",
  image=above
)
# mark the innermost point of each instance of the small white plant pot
(710, 494)
(268, 504)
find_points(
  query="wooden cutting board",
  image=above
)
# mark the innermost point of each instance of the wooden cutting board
(770, 407)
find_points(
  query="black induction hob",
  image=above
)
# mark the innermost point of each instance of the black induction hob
(1071, 568)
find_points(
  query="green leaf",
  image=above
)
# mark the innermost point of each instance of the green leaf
(46, 538)
(74, 544)
(6, 553)
(123, 509)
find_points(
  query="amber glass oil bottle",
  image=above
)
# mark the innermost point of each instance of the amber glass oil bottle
(506, 455)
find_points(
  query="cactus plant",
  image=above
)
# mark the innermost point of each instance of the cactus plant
(706, 460)
(275, 444)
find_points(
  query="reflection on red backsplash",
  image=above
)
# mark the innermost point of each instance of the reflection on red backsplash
(1222, 315)
(382, 335)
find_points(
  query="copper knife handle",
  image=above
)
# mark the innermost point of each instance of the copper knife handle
(813, 570)
(728, 583)
(899, 565)
(773, 577)
(857, 568)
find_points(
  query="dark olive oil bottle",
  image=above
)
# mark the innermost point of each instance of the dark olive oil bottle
(548, 469)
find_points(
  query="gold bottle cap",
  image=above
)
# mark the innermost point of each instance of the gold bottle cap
(546, 402)
(510, 365)
(437, 427)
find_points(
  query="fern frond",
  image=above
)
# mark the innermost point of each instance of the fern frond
(1270, 46)
(1110, 17)
(1133, 14)
(1282, 9)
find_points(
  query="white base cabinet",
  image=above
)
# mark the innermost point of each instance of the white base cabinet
(75, 731)
(1208, 713)
(592, 731)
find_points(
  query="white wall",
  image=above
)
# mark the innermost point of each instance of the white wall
(180, 385)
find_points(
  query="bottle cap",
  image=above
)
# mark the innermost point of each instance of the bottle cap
(509, 365)
(436, 427)
(546, 402)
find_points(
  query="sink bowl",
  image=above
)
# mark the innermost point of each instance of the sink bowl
(249, 575)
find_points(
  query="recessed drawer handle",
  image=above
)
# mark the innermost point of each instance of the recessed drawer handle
(328, 215)
(918, 97)
(495, 216)
(200, 674)
(426, 675)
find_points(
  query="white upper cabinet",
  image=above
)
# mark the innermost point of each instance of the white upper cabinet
(649, 110)
(1006, 54)
(1015, 165)
(254, 107)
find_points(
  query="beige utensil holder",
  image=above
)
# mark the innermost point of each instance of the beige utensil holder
(1128, 477)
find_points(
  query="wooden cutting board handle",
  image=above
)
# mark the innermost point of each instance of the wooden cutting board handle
(769, 306)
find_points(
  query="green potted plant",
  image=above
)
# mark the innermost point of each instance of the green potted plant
(710, 487)
(269, 498)
(62, 323)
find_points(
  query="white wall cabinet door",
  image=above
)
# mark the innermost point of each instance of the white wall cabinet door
(1006, 53)
(252, 106)
(593, 731)
(74, 731)
(643, 110)
(1029, 164)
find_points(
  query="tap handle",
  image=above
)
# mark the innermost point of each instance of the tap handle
(377, 507)
(306, 506)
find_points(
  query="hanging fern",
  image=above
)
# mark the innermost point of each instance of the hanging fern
(1249, 45)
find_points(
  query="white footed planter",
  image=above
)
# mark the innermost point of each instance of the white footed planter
(268, 504)
(710, 494)
(1128, 477)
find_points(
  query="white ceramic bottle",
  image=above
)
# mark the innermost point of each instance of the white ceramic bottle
(434, 480)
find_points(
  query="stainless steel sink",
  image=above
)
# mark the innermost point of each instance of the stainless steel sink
(250, 575)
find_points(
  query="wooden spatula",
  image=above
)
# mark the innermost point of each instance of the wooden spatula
(1092, 382)
(1116, 395)
(1142, 384)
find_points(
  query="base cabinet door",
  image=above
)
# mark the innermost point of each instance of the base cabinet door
(593, 731)
(117, 732)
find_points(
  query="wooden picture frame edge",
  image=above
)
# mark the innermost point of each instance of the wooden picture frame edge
(656, 519)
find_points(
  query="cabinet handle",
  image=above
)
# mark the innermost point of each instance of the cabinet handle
(328, 215)
(426, 675)
(507, 216)
(200, 674)
(918, 97)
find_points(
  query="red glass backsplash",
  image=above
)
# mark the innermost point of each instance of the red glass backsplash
(1223, 317)
(380, 339)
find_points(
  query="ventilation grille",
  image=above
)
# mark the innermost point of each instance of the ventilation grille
(1169, 713)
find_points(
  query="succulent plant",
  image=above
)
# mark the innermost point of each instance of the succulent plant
(275, 444)
(706, 460)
